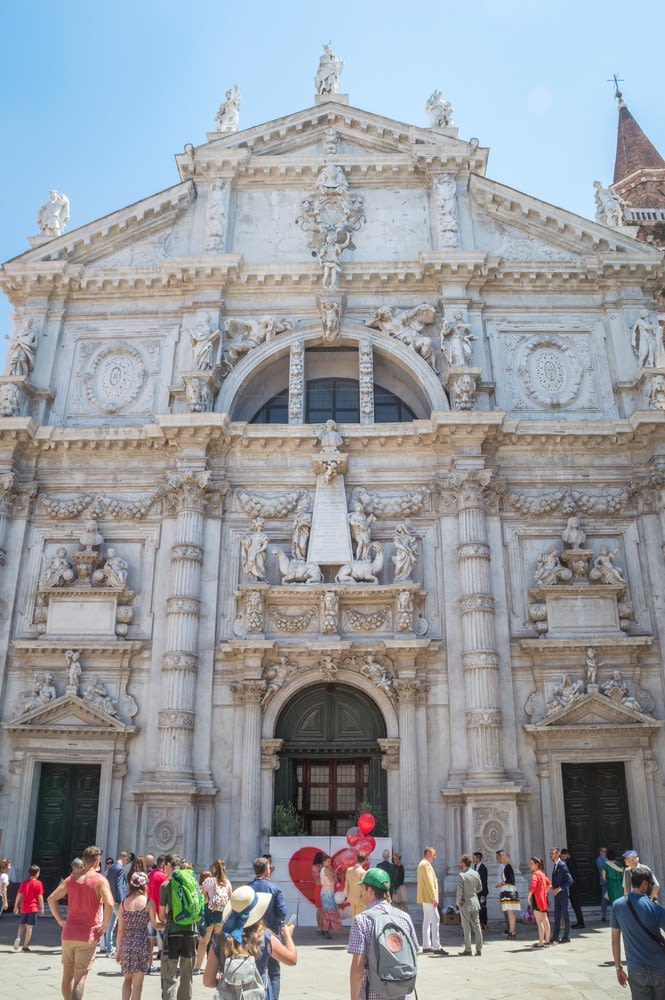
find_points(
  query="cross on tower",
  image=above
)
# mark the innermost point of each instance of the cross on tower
(616, 80)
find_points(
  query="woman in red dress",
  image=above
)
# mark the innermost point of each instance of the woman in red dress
(540, 884)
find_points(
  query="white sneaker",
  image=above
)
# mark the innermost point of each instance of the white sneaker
(17, 944)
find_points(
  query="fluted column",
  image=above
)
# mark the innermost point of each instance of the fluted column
(183, 612)
(247, 696)
(479, 656)
(407, 690)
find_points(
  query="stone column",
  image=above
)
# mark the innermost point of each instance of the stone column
(390, 762)
(407, 689)
(269, 764)
(366, 381)
(180, 661)
(479, 657)
(297, 383)
(247, 696)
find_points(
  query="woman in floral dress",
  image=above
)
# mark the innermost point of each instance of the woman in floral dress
(133, 947)
(331, 918)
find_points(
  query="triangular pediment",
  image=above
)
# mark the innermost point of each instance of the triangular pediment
(68, 714)
(593, 710)
(548, 225)
(148, 221)
(359, 133)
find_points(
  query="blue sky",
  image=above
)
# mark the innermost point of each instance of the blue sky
(98, 97)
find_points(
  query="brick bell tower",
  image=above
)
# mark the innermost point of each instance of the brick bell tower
(639, 178)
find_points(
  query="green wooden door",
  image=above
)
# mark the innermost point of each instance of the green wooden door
(66, 820)
(330, 761)
(596, 807)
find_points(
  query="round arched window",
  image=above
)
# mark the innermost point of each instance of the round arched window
(335, 399)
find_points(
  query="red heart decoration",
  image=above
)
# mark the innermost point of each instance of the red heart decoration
(300, 870)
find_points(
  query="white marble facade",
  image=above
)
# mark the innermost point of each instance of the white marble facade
(545, 416)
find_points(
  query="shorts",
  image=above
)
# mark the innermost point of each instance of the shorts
(212, 916)
(78, 956)
(29, 918)
(180, 946)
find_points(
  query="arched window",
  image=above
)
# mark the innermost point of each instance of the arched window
(335, 399)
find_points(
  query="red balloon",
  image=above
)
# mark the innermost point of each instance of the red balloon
(353, 835)
(366, 823)
(366, 845)
(342, 860)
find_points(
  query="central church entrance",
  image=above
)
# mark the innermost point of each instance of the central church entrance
(330, 762)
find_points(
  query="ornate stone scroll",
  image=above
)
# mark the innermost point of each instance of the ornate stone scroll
(366, 381)
(445, 199)
(297, 383)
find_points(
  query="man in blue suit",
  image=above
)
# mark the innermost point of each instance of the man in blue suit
(561, 883)
(275, 915)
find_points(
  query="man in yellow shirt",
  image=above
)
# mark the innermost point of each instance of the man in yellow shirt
(428, 897)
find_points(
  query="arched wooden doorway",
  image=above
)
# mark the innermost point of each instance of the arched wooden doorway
(330, 761)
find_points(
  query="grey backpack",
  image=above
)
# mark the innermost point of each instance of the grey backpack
(391, 958)
(240, 980)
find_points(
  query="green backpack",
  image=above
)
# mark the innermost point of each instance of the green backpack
(186, 898)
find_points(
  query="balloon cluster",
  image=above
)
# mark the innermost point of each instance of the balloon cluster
(360, 842)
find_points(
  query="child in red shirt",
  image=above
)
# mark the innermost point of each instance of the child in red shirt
(29, 901)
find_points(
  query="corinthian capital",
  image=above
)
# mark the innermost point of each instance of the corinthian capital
(188, 489)
(248, 692)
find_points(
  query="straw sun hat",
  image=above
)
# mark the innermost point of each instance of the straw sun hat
(244, 898)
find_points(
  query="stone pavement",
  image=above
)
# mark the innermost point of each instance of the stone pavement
(507, 969)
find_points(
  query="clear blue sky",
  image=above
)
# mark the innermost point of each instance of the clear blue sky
(98, 97)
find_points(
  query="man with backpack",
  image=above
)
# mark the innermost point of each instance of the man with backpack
(180, 907)
(383, 944)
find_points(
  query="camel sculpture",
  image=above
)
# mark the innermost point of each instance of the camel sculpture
(297, 570)
(362, 570)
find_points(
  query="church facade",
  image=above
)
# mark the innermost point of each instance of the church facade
(333, 474)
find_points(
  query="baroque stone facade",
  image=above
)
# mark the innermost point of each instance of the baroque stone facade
(319, 417)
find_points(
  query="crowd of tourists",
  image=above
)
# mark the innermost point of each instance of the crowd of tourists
(141, 910)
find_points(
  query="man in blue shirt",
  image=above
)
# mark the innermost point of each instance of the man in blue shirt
(274, 917)
(561, 882)
(645, 956)
(118, 882)
(600, 865)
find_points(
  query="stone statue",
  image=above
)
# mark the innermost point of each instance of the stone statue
(43, 691)
(329, 438)
(275, 676)
(360, 524)
(54, 215)
(334, 243)
(564, 695)
(91, 538)
(591, 665)
(329, 71)
(72, 657)
(609, 206)
(405, 554)
(550, 569)
(363, 570)
(205, 341)
(617, 690)
(604, 570)
(10, 401)
(250, 333)
(297, 570)
(302, 525)
(228, 116)
(216, 216)
(444, 190)
(373, 670)
(254, 547)
(97, 696)
(456, 342)
(572, 535)
(330, 317)
(115, 569)
(58, 570)
(405, 325)
(646, 339)
(22, 349)
(440, 112)
(657, 392)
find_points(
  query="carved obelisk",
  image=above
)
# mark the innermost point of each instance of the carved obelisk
(330, 537)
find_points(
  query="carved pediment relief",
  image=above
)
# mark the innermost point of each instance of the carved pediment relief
(592, 710)
(68, 714)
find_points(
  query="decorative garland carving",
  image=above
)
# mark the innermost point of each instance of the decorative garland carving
(268, 505)
(123, 508)
(291, 623)
(356, 621)
(570, 501)
(392, 504)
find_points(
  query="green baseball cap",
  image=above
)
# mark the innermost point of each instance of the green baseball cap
(377, 878)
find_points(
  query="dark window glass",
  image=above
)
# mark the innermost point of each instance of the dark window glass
(335, 399)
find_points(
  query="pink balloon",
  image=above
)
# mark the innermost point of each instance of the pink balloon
(366, 845)
(366, 823)
(353, 835)
(342, 860)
